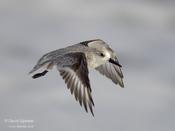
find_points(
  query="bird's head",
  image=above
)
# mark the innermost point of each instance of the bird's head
(103, 51)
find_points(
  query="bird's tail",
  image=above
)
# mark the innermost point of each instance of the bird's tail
(44, 62)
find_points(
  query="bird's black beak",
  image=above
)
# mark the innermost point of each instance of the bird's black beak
(115, 62)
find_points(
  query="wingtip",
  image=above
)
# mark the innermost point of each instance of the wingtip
(122, 85)
(93, 114)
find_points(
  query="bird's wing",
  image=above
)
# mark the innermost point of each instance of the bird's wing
(113, 72)
(75, 73)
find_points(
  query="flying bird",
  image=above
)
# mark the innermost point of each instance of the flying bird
(74, 63)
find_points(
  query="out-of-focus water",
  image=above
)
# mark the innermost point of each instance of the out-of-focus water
(143, 35)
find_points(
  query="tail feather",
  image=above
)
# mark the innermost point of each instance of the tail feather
(46, 62)
(34, 69)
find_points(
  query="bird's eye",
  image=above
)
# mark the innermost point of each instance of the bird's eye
(102, 55)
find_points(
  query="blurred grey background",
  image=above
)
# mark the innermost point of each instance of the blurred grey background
(141, 32)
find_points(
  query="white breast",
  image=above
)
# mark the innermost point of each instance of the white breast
(95, 61)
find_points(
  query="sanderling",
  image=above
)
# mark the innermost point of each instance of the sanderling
(74, 62)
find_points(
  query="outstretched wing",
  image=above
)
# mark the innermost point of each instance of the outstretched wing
(75, 72)
(113, 72)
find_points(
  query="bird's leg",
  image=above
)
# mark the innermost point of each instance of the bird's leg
(49, 67)
(39, 74)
